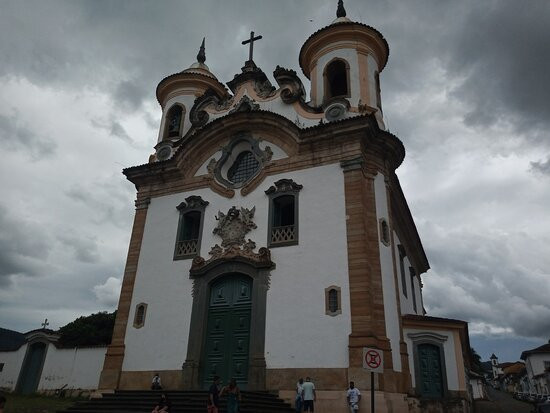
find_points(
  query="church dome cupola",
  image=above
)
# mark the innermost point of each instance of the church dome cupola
(176, 95)
(343, 62)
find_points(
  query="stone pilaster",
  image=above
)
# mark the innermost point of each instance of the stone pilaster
(112, 366)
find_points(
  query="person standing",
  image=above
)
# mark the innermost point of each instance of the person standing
(233, 395)
(155, 384)
(354, 395)
(308, 395)
(299, 400)
(214, 396)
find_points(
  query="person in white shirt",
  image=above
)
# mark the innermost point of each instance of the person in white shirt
(354, 395)
(299, 400)
(308, 394)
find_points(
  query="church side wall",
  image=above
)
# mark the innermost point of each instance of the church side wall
(13, 360)
(75, 368)
(297, 284)
(388, 282)
(449, 348)
(406, 301)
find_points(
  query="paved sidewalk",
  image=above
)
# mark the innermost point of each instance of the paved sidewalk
(501, 402)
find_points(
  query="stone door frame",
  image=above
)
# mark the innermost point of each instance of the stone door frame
(260, 274)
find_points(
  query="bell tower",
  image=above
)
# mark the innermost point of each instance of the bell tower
(343, 61)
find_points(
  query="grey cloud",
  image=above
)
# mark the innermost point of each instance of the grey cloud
(24, 247)
(541, 167)
(17, 137)
(84, 249)
(114, 127)
(500, 49)
(478, 277)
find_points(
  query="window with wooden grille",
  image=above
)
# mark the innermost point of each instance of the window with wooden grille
(190, 227)
(244, 167)
(139, 317)
(283, 213)
(333, 300)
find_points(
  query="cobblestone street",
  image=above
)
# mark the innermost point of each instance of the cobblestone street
(502, 402)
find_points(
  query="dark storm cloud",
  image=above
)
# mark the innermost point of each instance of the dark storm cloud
(17, 137)
(542, 167)
(501, 50)
(23, 247)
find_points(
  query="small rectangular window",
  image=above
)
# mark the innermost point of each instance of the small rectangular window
(413, 292)
(402, 256)
(1, 366)
(333, 301)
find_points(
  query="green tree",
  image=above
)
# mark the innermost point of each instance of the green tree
(95, 329)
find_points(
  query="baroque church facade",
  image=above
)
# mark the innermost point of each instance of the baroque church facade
(272, 240)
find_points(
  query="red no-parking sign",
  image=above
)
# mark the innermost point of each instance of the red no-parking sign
(373, 360)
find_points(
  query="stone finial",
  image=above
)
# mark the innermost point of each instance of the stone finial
(201, 57)
(341, 12)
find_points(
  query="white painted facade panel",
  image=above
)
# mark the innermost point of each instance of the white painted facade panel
(298, 332)
(164, 285)
(448, 349)
(387, 267)
(75, 368)
(406, 300)
(372, 69)
(13, 360)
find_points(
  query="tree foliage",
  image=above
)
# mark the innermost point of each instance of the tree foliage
(92, 330)
(476, 361)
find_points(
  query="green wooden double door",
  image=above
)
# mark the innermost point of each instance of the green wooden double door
(429, 358)
(227, 340)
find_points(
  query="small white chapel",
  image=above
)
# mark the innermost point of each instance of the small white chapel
(272, 239)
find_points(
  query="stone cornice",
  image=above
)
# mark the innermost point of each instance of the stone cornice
(195, 81)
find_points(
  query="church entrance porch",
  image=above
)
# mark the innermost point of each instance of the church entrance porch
(228, 330)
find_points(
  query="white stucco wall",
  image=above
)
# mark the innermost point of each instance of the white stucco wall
(406, 302)
(13, 360)
(391, 312)
(78, 368)
(450, 356)
(372, 69)
(298, 333)
(535, 363)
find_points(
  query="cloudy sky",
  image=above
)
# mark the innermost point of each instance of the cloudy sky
(466, 88)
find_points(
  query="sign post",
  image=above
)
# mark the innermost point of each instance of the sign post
(373, 361)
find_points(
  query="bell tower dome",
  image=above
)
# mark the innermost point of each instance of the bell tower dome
(176, 94)
(343, 61)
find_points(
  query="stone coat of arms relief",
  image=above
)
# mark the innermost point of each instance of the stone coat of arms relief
(232, 228)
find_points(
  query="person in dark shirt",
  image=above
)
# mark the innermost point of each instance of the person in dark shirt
(163, 405)
(214, 396)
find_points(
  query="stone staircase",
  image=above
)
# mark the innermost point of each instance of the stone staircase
(141, 401)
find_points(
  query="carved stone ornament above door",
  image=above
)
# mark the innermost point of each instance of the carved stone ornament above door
(232, 229)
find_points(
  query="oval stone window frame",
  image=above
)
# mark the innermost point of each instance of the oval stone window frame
(239, 144)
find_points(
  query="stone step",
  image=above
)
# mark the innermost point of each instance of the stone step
(138, 401)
